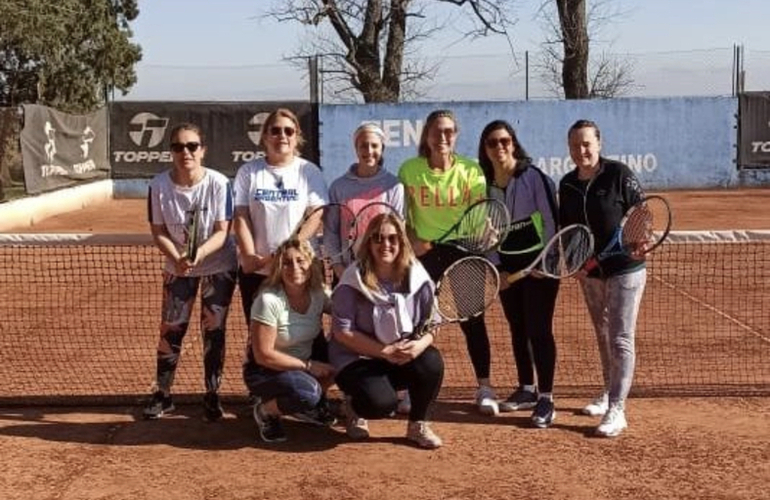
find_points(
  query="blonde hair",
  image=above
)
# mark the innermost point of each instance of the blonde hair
(423, 149)
(315, 282)
(365, 258)
(270, 121)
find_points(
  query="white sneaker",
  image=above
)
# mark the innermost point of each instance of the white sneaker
(404, 404)
(421, 433)
(486, 400)
(613, 422)
(598, 406)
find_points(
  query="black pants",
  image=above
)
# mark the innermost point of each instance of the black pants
(248, 284)
(436, 261)
(372, 384)
(529, 305)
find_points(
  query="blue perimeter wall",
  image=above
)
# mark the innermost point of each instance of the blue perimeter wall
(675, 143)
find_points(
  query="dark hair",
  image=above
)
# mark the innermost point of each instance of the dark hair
(187, 126)
(423, 149)
(518, 150)
(585, 124)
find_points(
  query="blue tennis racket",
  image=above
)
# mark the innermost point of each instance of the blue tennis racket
(643, 228)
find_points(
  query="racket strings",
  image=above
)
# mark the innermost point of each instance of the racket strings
(568, 252)
(483, 226)
(467, 288)
(646, 226)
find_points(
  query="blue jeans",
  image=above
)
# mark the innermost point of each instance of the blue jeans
(613, 304)
(294, 391)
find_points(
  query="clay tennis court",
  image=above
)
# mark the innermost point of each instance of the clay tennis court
(676, 447)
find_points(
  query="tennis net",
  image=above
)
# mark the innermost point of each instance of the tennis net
(81, 312)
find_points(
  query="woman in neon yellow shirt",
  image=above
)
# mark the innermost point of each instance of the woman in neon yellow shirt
(439, 186)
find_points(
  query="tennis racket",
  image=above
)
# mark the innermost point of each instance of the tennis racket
(319, 220)
(481, 227)
(564, 255)
(193, 233)
(464, 291)
(365, 215)
(641, 230)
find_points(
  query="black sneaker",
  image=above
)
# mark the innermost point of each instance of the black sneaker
(321, 415)
(270, 427)
(211, 407)
(519, 400)
(544, 413)
(158, 406)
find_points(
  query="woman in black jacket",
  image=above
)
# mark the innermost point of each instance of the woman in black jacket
(597, 193)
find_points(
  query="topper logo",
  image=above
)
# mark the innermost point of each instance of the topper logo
(147, 129)
(254, 130)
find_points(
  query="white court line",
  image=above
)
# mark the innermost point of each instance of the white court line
(713, 309)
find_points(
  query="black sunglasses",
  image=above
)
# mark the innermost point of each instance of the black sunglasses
(379, 239)
(178, 147)
(287, 131)
(492, 142)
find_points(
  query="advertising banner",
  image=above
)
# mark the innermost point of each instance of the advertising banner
(139, 133)
(60, 150)
(754, 144)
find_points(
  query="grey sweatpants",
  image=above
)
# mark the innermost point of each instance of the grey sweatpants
(613, 304)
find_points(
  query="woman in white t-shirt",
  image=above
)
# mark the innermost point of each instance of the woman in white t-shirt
(280, 370)
(272, 194)
(173, 198)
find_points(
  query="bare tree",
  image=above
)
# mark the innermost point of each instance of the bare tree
(368, 48)
(566, 66)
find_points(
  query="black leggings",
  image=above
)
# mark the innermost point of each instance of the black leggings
(249, 284)
(529, 306)
(436, 261)
(372, 384)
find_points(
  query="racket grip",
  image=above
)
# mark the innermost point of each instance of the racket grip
(512, 278)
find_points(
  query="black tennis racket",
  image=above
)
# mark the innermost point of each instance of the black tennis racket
(193, 233)
(643, 228)
(464, 291)
(481, 227)
(564, 255)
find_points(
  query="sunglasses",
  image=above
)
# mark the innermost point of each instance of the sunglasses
(178, 147)
(287, 131)
(493, 142)
(392, 239)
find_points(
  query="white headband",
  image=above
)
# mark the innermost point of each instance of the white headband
(371, 128)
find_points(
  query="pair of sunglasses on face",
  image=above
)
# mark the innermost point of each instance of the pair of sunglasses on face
(493, 142)
(178, 147)
(275, 131)
(379, 239)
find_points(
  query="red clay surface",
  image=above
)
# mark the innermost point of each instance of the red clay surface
(679, 448)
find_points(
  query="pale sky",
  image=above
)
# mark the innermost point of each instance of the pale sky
(226, 50)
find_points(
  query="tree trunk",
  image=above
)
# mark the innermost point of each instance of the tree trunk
(574, 71)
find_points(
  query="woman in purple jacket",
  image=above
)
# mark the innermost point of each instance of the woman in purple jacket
(381, 302)
(529, 303)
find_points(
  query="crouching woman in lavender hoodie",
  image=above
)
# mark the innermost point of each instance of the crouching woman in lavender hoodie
(379, 304)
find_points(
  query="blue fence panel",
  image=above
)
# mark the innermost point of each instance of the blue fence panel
(676, 143)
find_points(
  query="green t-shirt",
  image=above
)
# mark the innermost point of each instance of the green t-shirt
(437, 199)
(295, 331)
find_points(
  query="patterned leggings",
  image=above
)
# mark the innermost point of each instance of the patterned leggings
(178, 298)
